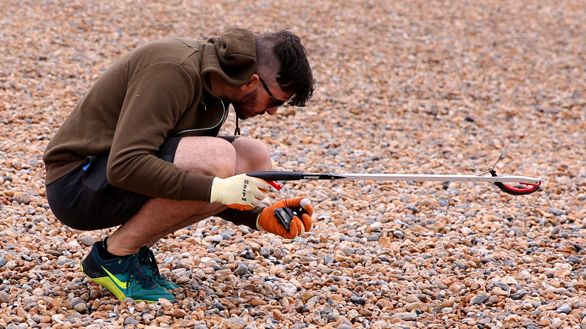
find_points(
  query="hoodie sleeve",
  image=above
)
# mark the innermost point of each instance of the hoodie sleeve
(157, 94)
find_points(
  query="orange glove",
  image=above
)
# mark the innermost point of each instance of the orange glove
(288, 211)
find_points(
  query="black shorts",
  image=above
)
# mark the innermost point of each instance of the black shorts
(84, 200)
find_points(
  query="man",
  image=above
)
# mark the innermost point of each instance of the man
(140, 149)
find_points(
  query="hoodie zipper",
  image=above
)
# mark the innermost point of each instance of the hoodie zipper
(224, 115)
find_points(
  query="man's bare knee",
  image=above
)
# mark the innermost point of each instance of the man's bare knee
(207, 156)
(252, 154)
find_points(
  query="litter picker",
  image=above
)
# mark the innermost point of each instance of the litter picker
(525, 185)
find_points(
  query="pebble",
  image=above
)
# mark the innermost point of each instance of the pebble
(81, 307)
(405, 316)
(236, 323)
(357, 300)
(88, 241)
(288, 288)
(131, 321)
(219, 306)
(565, 308)
(476, 300)
(242, 269)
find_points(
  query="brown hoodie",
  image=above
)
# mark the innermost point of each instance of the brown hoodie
(150, 94)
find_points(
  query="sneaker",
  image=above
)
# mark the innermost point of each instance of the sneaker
(123, 276)
(147, 260)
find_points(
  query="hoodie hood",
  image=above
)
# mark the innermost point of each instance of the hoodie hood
(232, 56)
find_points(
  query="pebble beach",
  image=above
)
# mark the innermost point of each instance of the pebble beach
(402, 87)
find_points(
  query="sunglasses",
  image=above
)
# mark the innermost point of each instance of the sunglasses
(276, 103)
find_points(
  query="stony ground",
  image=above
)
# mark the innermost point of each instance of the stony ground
(416, 86)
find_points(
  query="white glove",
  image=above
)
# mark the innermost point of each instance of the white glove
(239, 192)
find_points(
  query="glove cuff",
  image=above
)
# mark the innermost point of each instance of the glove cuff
(258, 227)
(215, 186)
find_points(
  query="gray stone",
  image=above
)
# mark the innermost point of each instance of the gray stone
(331, 316)
(131, 321)
(479, 299)
(556, 230)
(76, 300)
(412, 208)
(357, 300)
(399, 234)
(265, 252)
(519, 295)
(226, 235)
(460, 264)
(219, 306)
(348, 251)
(25, 198)
(80, 307)
(242, 269)
(565, 308)
(328, 259)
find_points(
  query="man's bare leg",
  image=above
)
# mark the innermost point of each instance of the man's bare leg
(205, 155)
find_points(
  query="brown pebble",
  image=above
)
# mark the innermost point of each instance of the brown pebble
(277, 315)
(383, 302)
(257, 302)
(20, 312)
(306, 295)
(413, 306)
(448, 303)
(54, 303)
(179, 314)
(235, 325)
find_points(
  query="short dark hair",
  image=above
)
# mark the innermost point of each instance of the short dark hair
(293, 71)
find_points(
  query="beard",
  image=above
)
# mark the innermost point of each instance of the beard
(244, 106)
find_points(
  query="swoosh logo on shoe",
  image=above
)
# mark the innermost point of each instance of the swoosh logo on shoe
(121, 284)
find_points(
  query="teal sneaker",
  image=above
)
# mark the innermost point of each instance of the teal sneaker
(123, 276)
(148, 262)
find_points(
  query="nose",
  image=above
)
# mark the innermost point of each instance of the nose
(272, 111)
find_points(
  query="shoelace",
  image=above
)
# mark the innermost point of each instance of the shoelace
(151, 262)
(137, 273)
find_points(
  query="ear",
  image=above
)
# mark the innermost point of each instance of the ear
(254, 79)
